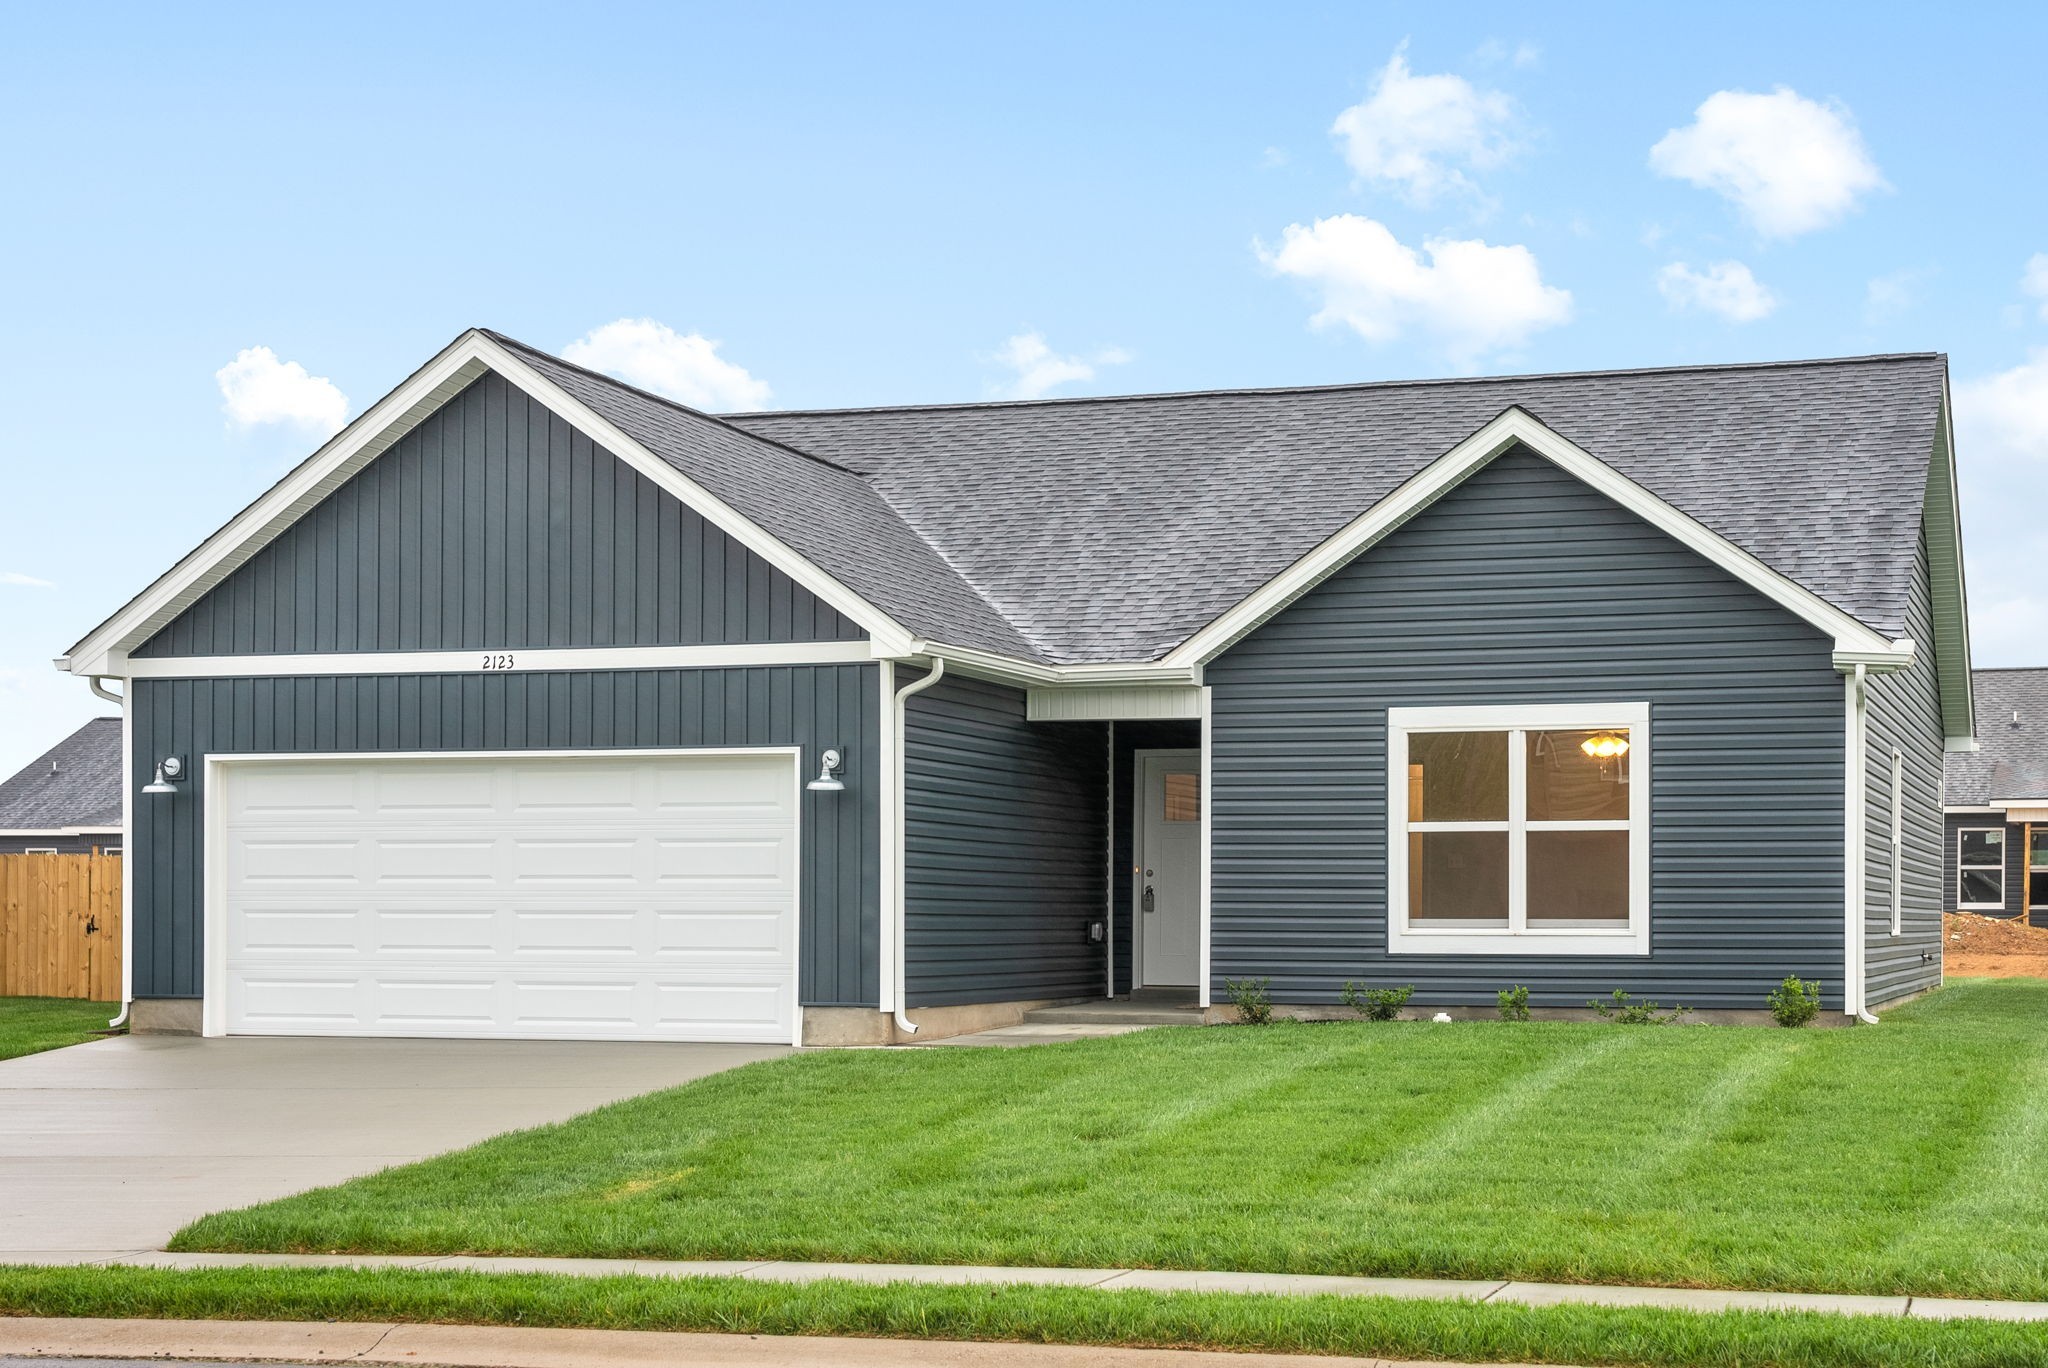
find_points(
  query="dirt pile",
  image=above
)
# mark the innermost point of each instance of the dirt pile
(1994, 947)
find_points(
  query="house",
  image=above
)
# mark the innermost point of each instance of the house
(67, 801)
(1997, 802)
(535, 705)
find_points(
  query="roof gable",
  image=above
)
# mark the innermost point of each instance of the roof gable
(76, 783)
(2011, 759)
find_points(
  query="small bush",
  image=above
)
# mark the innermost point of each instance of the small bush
(1249, 996)
(1377, 1004)
(1624, 1010)
(1514, 1003)
(1795, 1001)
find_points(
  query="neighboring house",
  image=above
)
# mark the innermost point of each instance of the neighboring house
(1997, 802)
(508, 712)
(67, 801)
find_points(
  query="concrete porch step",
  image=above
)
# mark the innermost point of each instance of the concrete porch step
(1109, 1013)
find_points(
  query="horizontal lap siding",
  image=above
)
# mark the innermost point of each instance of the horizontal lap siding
(814, 707)
(495, 525)
(1004, 848)
(1904, 713)
(1523, 585)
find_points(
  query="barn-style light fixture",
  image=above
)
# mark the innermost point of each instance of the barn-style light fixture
(169, 771)
(828, 767)
(1605, 745)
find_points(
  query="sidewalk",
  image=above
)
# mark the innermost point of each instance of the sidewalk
(461, 1346)
(1107, 1279)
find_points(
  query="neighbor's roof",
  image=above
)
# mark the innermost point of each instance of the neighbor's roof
(1084, 530)
(76, 783)
(2011, 759)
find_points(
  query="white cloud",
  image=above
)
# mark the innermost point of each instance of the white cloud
(1038, 369)
(1524, 54)
(1887, 297)
(16, 578)
(1415, 132)
(257, 389)
(1726, 288)
(1789, 163)
(2034, 280)
(2002, 455)
(1473, 298)
(685, 367)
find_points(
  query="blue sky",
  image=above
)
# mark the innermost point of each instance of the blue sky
(885, 204)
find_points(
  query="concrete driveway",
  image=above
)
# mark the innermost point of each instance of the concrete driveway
(110, 1147)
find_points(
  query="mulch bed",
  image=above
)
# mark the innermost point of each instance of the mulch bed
(1994, 947)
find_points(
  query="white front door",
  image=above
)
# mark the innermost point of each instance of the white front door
(1169, 887)
(633, 896)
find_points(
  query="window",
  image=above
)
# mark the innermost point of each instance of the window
(1521, 830)
(1898, 842)
(1980, 868)
(110, 850)
(39, 850)
(1183, 797)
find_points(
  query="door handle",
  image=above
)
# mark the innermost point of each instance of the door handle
(1148, 897)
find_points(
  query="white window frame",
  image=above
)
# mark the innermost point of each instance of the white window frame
(1519, 938)
(1998, 906)
(39, 850)
(1898, 835)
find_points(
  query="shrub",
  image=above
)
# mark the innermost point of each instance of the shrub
(1514, 1003)
(1624, 1010)
(1254, 1005)
(1795, 1002)
(1377, 1004)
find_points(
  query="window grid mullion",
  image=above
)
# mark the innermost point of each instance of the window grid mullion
(1518, 826)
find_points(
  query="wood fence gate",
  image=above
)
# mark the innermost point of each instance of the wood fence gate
(60, 926)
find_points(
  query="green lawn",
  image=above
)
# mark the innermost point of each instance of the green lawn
(31, 1024)
(1909, 1157)
(1361, 1326)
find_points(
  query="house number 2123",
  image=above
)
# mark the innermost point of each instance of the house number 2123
(498, 662)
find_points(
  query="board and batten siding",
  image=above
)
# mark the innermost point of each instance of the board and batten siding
(1524, 585)
(1004, 848)
(494, 525)
(812, 706)
(1903, 712)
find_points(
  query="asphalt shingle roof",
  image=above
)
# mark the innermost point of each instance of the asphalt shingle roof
(76, 783)
(1097, 530)
(2011, 759)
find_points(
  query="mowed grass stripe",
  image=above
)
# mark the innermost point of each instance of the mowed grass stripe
(1826, 1160)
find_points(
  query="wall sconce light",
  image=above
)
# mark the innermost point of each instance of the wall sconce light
(169, 771)
(828, 768)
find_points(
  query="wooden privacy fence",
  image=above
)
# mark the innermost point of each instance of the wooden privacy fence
(60, 926)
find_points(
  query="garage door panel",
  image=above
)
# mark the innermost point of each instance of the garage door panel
(646, 897)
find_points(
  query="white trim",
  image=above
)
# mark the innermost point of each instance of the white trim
(40, 850)
(1001, 669)
(213, 896)
(1517, 426)
(1208, 841)
(1112, 702)
(508, 660)
(1898, 841)
(384, 423)
(1957, 891)
(889, 970)
(1519, 938)
(1949, 584)
(1959, 745)
(1965, 810)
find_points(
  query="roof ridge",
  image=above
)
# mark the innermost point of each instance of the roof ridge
(739, 418)
(720, 420)
(2009, 669)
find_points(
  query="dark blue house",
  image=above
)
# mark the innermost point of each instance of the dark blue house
(534, 705)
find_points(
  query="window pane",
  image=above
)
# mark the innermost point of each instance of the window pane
(1985, 846)
(1183, 797)
(2037, 858)
(1566, 784)
(1578, 878)
(1986, 886)
(1458, 876)
(1458, 777)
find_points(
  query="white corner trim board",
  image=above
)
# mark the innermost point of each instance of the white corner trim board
(497, 661)
(383, 424)
(1518, 426)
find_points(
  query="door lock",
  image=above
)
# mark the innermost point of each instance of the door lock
(1148, 897)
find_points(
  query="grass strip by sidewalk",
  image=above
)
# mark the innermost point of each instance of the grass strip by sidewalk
(1638, 1338)
(30, 1025)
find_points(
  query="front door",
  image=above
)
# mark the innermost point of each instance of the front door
(1169, 884)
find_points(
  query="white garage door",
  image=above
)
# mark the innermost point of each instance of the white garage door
(621, 897)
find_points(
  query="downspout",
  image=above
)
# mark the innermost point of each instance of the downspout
(1855, 822)
(127, 841)
(897, 894)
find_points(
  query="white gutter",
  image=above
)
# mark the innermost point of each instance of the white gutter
(894, 903)
(127, 840)
(1854, 821)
